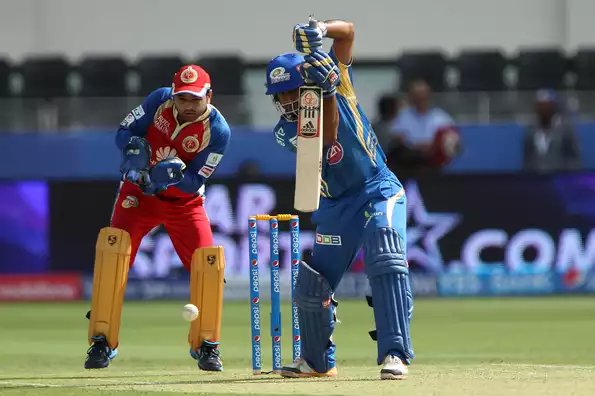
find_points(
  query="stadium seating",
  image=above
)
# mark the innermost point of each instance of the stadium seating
(481, 70)
(227, 79)
(103, 76)
(431, 66)
(156, 71)
(541, 68)
(468, 84)
(45, 77)
(5, 71)
(478, 70)
(583, 65)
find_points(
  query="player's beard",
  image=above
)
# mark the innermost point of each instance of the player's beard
(187, 116)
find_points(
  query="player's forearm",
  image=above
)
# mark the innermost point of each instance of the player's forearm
(123, 137)
(339, 30)
(343, 35)
(330, 120)
(191, 183)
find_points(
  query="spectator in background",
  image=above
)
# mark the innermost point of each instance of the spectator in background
(550, 144)
(424, 138)
(387, 108)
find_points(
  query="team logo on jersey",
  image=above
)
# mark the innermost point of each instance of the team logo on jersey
(189, 75)
(165, 152)
(190, 144)
(130, 202)
(334, 155)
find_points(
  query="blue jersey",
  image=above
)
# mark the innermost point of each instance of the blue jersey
(355, 158)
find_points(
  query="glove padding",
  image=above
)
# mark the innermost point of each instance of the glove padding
(164, 174)
(139, 177)
(136, 155)
(307, 39)
(322, 70)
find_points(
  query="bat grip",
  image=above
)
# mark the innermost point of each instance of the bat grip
(313, 23)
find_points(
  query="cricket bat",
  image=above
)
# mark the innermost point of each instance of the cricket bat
(308, 166)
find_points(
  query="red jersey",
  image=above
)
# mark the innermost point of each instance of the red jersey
(200, 143)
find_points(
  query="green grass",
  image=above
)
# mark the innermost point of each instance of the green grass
(524, 347)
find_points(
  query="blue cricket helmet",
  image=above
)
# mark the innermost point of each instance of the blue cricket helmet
(283, 73)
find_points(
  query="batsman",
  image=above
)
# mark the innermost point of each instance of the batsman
(170, 144)
(362, 204)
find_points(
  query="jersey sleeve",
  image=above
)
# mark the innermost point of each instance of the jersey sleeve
(139, 119)
(286, 134)
(205, 162)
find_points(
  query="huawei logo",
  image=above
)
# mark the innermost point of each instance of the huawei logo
(165, 152)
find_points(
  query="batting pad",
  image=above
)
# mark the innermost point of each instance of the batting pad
(316, 312)
(206, 292)
(112, 261)
(388, 273)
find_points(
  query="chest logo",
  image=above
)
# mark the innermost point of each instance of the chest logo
(165, 152)
(334, 155)
(190, 144)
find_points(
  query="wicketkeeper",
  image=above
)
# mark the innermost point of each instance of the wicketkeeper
(171, 145)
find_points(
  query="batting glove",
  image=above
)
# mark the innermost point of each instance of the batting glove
(320, 68)
(308, 39)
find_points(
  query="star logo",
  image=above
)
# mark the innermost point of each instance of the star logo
(425, 229)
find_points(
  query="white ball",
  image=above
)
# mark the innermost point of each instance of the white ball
(190, 312)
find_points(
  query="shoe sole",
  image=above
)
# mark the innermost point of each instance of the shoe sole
(96, 367)
(210, 368)
(293, 374)
(390, 375)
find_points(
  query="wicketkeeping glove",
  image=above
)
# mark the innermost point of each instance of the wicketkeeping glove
(136, 155)
(320, 68)
(308, 39)
(164, 174)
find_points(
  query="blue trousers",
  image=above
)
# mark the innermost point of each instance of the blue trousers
(342, 226)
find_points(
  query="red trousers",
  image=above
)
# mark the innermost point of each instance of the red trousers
(184, 219)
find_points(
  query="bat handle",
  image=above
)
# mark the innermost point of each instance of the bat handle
(313, 23)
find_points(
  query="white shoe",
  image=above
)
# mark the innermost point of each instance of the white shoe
(393, 368)
(299, 368)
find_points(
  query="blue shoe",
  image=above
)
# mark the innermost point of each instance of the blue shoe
(208, 356)
(99, 354)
